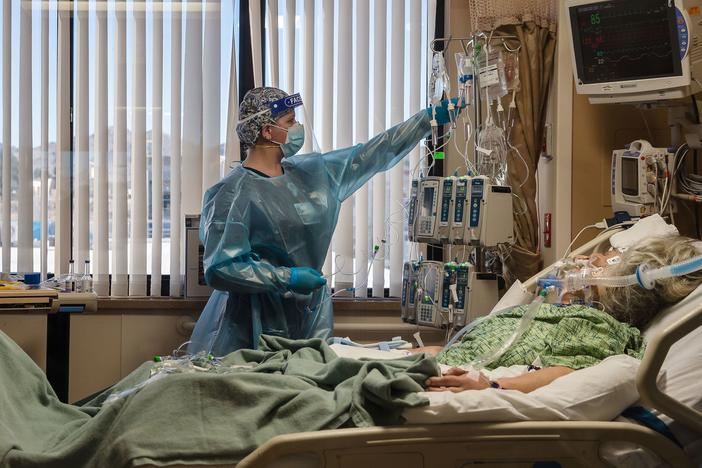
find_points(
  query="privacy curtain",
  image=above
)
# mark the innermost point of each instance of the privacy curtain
(536, 58)
(531, 25)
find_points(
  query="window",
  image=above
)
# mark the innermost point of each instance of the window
(117, 115)
(115, 118)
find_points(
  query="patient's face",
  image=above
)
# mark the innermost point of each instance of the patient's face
(601, 260)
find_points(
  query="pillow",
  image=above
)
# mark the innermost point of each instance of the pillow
(681, 372)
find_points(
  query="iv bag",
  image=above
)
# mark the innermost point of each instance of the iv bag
(491, 158)
(492, 73)
(511, 61)
(439, 80)
(464, 69)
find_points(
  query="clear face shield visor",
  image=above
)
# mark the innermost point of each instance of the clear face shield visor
(278, 113)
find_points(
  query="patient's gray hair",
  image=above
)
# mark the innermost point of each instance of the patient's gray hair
(636, 305)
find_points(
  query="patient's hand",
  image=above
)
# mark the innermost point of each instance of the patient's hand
(456, 380)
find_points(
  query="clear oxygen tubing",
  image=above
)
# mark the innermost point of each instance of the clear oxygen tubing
(465, 330)
(523, 325)
(496, 353)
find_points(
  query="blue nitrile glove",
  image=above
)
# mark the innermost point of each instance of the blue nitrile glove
(442, 111)
(305, 280)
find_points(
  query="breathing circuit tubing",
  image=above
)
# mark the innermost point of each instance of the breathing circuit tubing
(644, 276)
(496, 353)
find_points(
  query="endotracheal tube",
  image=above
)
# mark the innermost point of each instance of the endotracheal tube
(644, 276)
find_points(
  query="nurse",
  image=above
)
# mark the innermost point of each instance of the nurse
(266, 227)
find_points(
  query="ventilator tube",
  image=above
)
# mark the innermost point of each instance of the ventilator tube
(644, 276)
(524, 324)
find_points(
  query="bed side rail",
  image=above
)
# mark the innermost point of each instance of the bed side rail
(656, 352)
(570, 443)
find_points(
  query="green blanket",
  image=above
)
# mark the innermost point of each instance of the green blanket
(286, 386)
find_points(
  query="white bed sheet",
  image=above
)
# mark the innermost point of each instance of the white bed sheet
(598, 393)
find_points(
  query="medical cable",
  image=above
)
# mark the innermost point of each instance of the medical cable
(567, 251)
(318, 307)
(526, 166)
(523, 203)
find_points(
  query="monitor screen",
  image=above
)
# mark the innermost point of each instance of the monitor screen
(624, 40)
(630, 176)
(428, 205)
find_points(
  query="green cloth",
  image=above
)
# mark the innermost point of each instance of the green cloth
(574, 336)
(201, 418)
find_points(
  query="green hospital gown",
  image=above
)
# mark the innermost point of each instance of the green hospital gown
(574, 336)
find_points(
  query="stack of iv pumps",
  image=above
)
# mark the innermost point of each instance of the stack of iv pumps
(460, 210)
(441, 295)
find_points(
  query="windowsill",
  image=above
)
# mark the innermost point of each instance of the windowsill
(342, 304)
(150, 303)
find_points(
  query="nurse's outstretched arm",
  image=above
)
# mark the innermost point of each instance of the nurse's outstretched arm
(350, 168)
(230, 265)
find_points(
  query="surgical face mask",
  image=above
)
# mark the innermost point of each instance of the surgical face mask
(294, 140)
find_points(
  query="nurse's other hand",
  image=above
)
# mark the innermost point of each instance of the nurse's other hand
(456, 380)
(305, 280)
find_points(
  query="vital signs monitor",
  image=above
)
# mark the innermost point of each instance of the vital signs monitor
(635, 50)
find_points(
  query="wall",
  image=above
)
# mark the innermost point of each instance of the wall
(457, 25)
(597, 131)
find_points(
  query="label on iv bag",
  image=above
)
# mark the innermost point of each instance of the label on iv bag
(489, 76)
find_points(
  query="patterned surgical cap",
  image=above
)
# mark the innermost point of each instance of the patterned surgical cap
(254, 102)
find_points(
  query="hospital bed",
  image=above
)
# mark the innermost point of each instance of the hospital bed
(543, 443)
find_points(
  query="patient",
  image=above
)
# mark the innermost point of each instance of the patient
(567, 337)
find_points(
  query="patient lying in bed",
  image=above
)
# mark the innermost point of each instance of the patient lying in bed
(568, 337)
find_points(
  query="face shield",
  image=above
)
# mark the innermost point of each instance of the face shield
(299, 140)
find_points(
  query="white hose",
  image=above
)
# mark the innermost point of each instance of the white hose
(524, 324)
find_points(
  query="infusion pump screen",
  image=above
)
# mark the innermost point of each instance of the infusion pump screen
(630, 176)
(428, 205)
(625, 40)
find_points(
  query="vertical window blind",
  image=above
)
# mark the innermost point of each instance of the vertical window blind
(115, 117)
(361, 67)
(118, 114)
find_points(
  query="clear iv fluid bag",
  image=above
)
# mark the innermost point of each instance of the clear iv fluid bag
(491, 158)
(464, 68)
(439, 81)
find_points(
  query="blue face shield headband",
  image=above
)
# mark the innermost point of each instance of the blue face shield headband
(286, 104)
(277, 108)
